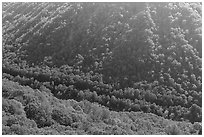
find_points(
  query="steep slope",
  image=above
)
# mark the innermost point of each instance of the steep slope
(127, 57)
(148, 39)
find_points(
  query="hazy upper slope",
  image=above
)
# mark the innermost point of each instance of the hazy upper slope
(143, 41)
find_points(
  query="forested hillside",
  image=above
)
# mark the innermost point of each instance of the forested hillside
(102, 68)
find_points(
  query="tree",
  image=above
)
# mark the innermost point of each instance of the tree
(150, 97)
(80, 95)
(61, 117)
(41, 114)
(195, 114)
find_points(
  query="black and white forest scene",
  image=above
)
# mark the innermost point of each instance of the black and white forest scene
(101, 68)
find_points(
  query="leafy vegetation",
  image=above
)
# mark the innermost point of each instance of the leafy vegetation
(94, 68)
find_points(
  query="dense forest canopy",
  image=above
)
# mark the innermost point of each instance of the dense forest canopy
(142, 40)
(126, 56)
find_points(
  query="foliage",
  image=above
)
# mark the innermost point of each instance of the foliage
(12, 106)
(173, 130)
(71, 65)
(61, 117)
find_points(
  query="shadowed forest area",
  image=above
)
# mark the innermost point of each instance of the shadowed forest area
(101, 68)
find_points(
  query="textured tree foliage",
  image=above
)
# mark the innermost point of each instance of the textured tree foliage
(127, 57)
